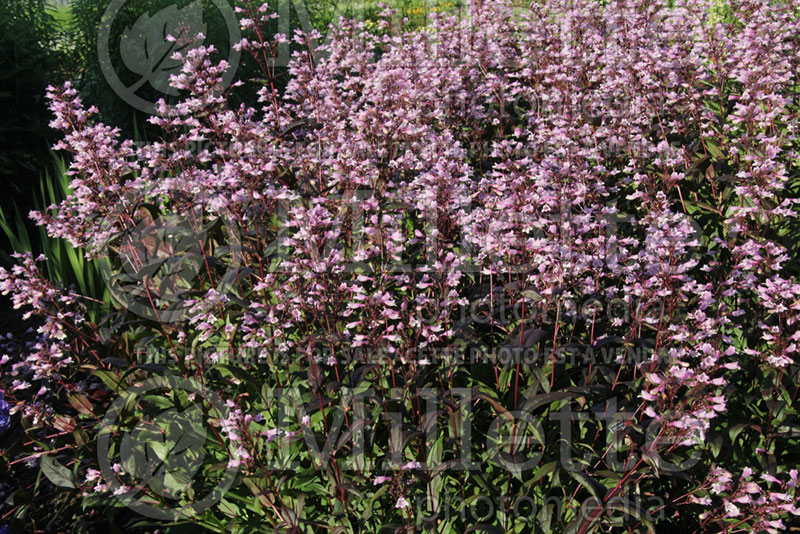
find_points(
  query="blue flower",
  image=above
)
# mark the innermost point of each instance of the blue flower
(5, 422)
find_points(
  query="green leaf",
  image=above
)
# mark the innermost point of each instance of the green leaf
(57, 473)
(496, 404)
(375, 497)
(652, 459)
(544, 470)
(715, 443)
(80, 403)
(594, 486)
(546, 398)
(228, 508)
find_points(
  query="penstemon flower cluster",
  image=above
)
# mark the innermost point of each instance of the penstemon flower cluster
(579, 214)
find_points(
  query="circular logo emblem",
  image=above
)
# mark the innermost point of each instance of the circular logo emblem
(160, 447)
(146, 48)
